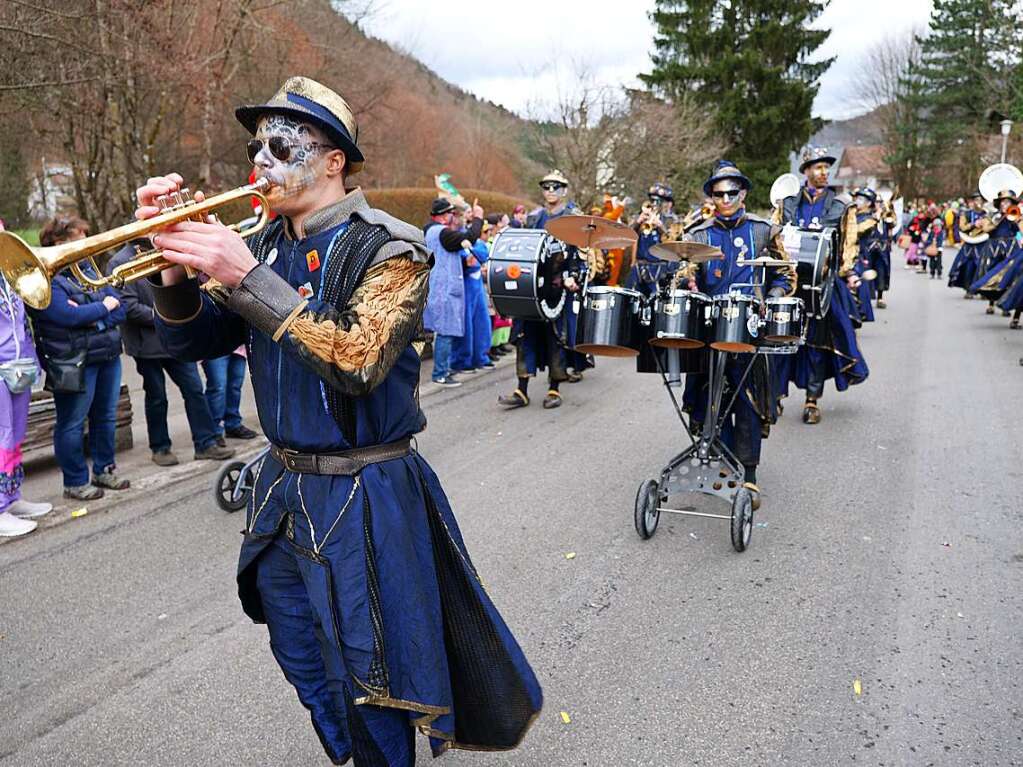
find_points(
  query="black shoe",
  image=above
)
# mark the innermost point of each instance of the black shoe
(241, 432)
(221, 441)
(214, 453)
(514, 400)
(489, 366)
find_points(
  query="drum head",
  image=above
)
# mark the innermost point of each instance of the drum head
(733, 346)
(676, 343)
(606, 350)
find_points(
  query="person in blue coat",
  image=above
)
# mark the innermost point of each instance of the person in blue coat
(964, 267)
(831, 350)
(445, 307)
(740, 236)
(652, 227)
(471, 352)
(996, 262)
(542, 345)
(83, 325)
(351, 554)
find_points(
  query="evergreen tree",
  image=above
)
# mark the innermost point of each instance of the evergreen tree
(964, 72)
(751, 60)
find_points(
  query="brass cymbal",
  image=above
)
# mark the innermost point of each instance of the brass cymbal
(591, 232)
(693, 252)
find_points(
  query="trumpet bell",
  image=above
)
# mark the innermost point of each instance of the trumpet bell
(24, 271)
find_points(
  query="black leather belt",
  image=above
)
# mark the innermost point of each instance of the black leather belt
(346, 462)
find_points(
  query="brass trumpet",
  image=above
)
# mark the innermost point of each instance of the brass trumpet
(29, 271)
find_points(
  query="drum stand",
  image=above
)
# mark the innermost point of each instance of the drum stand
(707, 466)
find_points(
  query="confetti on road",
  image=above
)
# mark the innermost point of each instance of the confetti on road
(857, 687)
(566, 718)
(946, 544)
(693, 536)
(570, 555)
(161, 617)
(79, 513)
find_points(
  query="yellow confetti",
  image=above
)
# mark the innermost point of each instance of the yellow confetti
(79, 513)
(570, 555)
(857, 687)
(566, 718)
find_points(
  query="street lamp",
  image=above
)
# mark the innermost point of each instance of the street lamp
(1006, 127)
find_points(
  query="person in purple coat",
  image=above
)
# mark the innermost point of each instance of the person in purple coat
(18, 365)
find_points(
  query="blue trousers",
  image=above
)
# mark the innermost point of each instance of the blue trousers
(98, 403)
(185, 376)
(372, 736)
(442, 348)
(470, 350)
(224, 379)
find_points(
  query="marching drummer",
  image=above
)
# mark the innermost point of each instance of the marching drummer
(541, 344)
(740, 236)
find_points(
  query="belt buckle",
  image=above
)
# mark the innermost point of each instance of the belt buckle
(290, 458)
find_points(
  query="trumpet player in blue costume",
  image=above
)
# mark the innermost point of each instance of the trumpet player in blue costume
(547, 345)
(740, 236)
(655, 224)
(351, 554)
(831, 350)
(964, 267)
(870, 240)
(1002, 251)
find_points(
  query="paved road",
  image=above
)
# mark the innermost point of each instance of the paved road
(891, 555)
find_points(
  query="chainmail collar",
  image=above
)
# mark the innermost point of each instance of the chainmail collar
(330, 216)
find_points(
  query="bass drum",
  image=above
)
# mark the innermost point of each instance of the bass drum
(817, 255)
(524, 275)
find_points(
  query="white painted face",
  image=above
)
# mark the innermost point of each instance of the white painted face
(553, 193)
(728, 197)
(291, 155)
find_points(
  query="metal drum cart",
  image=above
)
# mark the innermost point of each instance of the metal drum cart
(707, 466)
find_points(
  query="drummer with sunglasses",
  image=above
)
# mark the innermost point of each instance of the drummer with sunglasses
(741, 236)
(547, 345)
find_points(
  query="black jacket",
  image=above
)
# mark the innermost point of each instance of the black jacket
(139, 332)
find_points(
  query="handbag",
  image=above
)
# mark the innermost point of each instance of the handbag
(66, 375)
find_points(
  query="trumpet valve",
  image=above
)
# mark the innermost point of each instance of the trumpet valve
(163, 201)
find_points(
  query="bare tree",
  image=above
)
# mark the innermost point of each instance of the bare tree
(883, 84)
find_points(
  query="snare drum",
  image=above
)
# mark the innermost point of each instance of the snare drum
(609, 323)
(785, 320)
(736, 323)
(681, 320)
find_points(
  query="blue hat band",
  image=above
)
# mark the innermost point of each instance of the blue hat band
(321, 113)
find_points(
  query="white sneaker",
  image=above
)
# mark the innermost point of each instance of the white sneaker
(28, 509)
(11, 526)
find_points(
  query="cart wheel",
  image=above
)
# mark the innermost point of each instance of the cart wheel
(223, 491)
(646, 517)
(742, 519)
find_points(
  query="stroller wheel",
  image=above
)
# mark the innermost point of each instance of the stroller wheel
(742, 519)
(646, 515)
(227, 480)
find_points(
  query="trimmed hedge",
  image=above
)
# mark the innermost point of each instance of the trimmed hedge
(412, 204)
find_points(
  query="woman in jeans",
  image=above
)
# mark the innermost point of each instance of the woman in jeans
(78, 321)
(16, 514)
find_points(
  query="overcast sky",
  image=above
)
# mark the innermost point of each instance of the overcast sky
(521, 58)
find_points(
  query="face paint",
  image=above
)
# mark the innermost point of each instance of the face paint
(305, 163)
(727, 206)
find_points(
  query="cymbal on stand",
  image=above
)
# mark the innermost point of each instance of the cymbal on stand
(591, 232)
(693, 252)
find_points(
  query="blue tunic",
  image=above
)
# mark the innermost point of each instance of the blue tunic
(375, 611)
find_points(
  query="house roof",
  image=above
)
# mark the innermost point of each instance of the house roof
(863, 161)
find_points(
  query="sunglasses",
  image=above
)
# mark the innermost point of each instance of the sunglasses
(727, 194)
(552, 187)
(280, 147)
